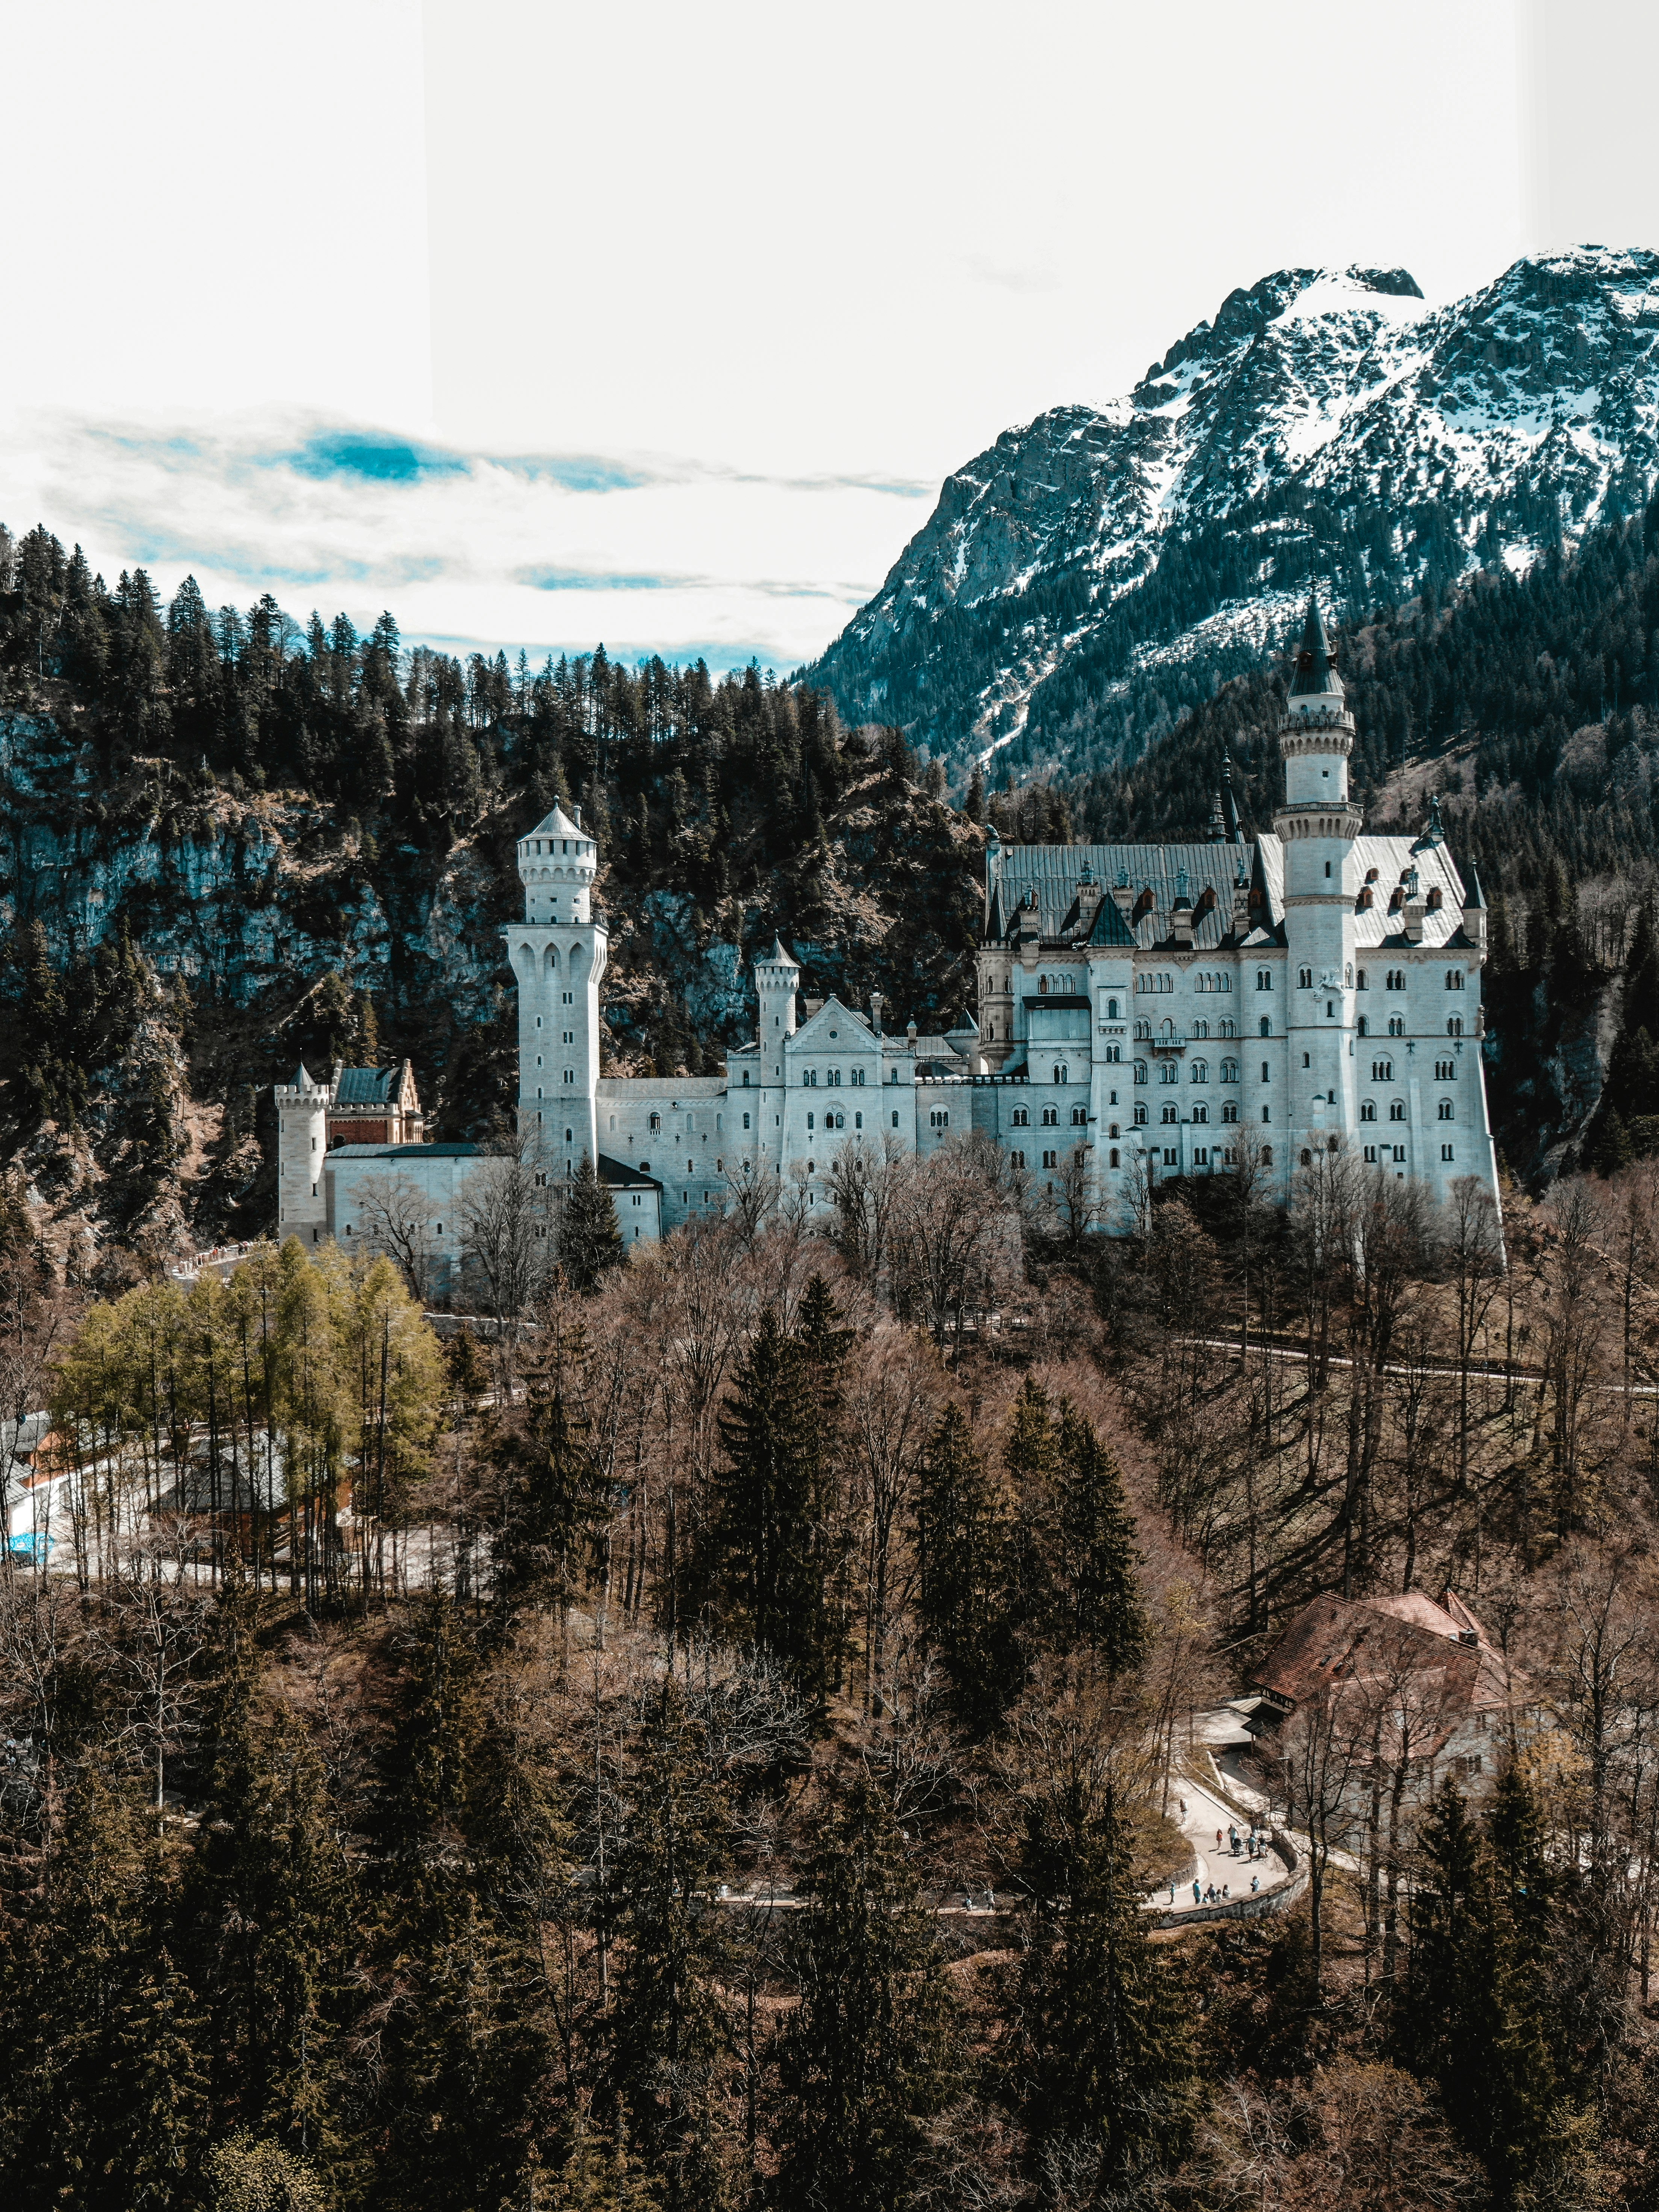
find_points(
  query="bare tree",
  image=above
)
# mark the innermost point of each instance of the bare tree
(956, 1239)
(1324, 1741)
(505, 1216)
(1471, 1250)
(396, 1219)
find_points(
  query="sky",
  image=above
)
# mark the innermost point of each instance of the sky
(544, 325)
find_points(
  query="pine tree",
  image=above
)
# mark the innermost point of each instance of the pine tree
(554, 1498)
(669, 2034)
(1031, 1458)
(959, 1540)
(765, 1568)
(590, 1241)
(872, 2053)
(1104, 2067)
(1098, 1553)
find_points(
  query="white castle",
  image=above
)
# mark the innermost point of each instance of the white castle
(1145, 1011)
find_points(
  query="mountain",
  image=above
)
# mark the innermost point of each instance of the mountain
(1094, 574)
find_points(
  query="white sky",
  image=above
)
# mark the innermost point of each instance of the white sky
(544, 323)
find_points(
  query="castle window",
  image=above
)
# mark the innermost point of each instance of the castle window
(1140, 1117)
(1062, 1075)
(569, 1136)
(1365, 1025)
(938, 1118)
(1266, 1155)
(1445, 1152)
(1362, 904)
(896, 1121)
(810, 1121)
(857, 1077)
(1267, 1073)
(858, 1121)
(1051, 1159)
(1396, 1109)
(570, 1075)
(1371, 1155)
(1265, 1026)
(1454, 979)
(1168, 1071)
(1455, 1026)
(1396, 1026)
(1111, 1010)
(1022, 1117)
(746, 1120)
(1171, 1158)
(1368, 1109)
(1170, 1114)
(655, 1123)
(1114, 1156)
(1229, 1029)
(1079, 1117)
(1114, 1053)
(1434, 898)
(1304, 978)
(1113, 1131)
(314, 1144)
(1200, 1071)
(1143, 1033)
(833, 1078)
(1016, 1159)
(1381, 1070)
(1050, 1117)
(1444, 1112)
(1445, 1071)
(811, 1077)
(1362, 981)
(1140, 1071)
(1043, 986)
(1230, 1109)
(1307, 1158)
(746, 1078)
(1201, 1112)
(1264, 979)
(1395, 979)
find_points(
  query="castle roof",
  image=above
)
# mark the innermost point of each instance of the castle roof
(1316, 663)
(558, 824)
(368, 1086)
(616, 1174)
(404, 1152)
(1052, 873)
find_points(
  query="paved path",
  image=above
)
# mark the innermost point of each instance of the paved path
(1205, 1813)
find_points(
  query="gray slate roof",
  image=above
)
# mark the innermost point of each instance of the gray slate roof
(368, 1086)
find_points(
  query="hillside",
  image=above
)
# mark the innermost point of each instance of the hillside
(1094, 572)
(230, 846)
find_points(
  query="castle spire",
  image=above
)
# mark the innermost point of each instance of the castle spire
(1316, 663)
(1230, 802)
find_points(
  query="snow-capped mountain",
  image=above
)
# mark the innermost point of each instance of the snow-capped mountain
(1092, 573)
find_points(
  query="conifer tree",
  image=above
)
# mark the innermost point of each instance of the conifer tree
(554, 1498)
(669, 2033)
(590, 1241)
(1104, 2069)
(1032, 1458)
(873, 2052)
(1098, 1553)
(766, 1570)
(959, 1538)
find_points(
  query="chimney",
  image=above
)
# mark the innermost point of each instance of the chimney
(1414, 905)
(875, 1011)
(576, 815)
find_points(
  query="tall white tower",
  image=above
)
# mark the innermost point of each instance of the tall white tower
(558, 954)
(1317, 824)
(777, 977)
(301, 1142)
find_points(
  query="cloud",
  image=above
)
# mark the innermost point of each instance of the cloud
(546, 551)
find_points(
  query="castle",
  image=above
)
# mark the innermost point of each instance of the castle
(1145, 1011)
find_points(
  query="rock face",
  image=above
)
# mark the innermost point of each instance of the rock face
(1093, 572)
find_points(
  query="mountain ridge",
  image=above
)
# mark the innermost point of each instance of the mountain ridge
(1093, 573)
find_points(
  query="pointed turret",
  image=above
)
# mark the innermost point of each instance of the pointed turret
(1230, 802)
(1218, 821)
(1316, 663)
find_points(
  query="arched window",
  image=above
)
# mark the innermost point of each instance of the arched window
(1111, 1010)
(1365, 1025)
(1114, 1156)
(1264, 979)
(1330, 1144)
(1140, 1071)
(1362, 981)
(1169, 1071)
(1455, 1026)
(1230, 1109)
(1434, 898)
(1143, 1033)
(1200, 1071)
(1201, 1112)
(1381, 1070)
(1021, 1117)
(1396, 1109)
(1266, 1026)
(1201, 1029)
(1060, 1075)
(1396, 1026)
(655, 1124)
(1454, 979)
(1266, 1155)
(1050, 1117)
(1444, 1112)
(1362, 904)
(1042, 986)
(1304, 978)
(1079, 1117)
(1171, 1114)
(1368, 1109)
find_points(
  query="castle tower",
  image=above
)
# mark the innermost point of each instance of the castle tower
(301, 1143)
(558, 954)
(1317, 824)
(777, 977)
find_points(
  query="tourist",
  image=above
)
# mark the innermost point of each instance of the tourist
(1198, 1894)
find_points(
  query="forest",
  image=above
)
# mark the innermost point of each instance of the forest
(710, 1739)
(716, 1731)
